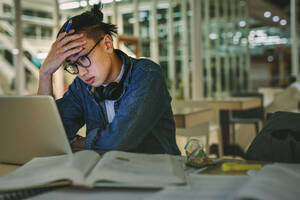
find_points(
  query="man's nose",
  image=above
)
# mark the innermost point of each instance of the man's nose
(82, 71)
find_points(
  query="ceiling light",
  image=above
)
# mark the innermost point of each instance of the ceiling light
(92, 2)
(283, 22)
(267, 14)
(213, 36)
(105, 1)
(242, 23)
(69, 5)
(276, 19)
(15, 51)
(270, 58)
(83, 3)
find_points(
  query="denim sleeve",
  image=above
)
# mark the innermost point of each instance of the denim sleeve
(70, 110)
(142, 106)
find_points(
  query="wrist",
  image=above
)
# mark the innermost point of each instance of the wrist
(75, 138)
(78, 142)
(45, 73)
(45, 84)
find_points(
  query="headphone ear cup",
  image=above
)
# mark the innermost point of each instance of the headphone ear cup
(112, 91)
(98, 93)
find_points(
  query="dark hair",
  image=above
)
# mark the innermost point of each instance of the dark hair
(91, 23)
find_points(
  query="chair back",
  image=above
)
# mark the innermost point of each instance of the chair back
(278, 141)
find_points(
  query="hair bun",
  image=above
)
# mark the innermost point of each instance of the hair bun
(96, 11)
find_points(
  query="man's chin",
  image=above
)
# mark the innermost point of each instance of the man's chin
(96, 84)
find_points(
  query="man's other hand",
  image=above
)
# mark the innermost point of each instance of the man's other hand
(79, 143)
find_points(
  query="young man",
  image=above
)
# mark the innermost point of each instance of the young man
(123, 101)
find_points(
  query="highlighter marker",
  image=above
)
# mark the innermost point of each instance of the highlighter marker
(68, 26)
(232, 166)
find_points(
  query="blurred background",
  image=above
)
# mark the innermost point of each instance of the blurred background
(206, 48)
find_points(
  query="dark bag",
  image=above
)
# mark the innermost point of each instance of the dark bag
(279, 140)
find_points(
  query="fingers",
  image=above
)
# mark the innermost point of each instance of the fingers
(69, 38)
(66, 45)
(64, 38)
(72, 51)
(63, 34)
(72, 45)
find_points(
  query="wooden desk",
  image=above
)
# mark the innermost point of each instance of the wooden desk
(192, 120)
(7, 168)
(234, 103)
(186, 117)
(225, 106)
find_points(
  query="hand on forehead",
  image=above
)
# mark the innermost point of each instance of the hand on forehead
(86, 46)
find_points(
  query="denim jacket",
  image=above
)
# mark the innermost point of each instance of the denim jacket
(143, 119)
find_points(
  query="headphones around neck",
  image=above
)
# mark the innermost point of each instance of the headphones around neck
(113, 90)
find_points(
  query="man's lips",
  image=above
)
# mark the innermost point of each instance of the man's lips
(90, 80)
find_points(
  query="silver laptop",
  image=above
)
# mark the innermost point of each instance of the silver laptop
(30, 126)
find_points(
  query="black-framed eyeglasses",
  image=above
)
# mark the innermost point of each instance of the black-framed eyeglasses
(82, 61)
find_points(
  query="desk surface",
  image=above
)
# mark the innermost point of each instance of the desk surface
(112, 193)
(6, 168)
(186, 117)
(233, 103)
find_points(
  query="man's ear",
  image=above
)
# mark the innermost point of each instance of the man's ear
(108, 43)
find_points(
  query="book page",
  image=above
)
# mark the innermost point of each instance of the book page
(202, 186)
(43, 170)
(277, 181)
(134, 169)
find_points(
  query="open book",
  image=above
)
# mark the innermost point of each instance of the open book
(273, 182)
(88, 169)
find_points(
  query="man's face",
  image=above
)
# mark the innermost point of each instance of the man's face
(99, 70)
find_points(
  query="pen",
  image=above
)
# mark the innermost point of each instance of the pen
(68, 26)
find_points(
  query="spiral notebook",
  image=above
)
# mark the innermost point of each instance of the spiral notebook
(26, 193)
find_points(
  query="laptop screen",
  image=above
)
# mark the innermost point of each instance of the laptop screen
(30, 127)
